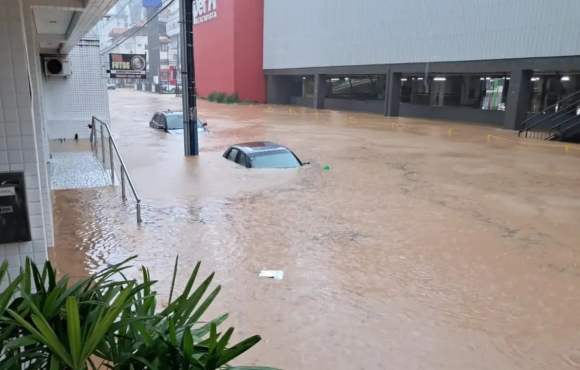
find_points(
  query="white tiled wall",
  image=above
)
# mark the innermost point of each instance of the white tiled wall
(73, 100)
(21, 143)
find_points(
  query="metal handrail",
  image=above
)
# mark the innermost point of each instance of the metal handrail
(552, 117)
(543, 112)
(123, 169)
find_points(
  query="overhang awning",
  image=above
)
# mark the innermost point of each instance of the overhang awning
(60, 24)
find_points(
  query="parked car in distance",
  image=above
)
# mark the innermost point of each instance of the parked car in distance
(167, 89)
(262, 154)
(111, 86)
(170, 120)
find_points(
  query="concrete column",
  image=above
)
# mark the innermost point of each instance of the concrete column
(320, 90)
(393, 94)
(518, 99)
(465, 87)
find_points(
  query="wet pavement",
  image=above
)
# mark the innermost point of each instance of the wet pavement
(75, 170)
(424, 245)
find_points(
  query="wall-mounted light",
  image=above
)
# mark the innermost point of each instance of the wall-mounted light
(565, 78)
(335, 79)
(419, 78)
(508, 78)
(404, 79)
(303, 77)
(535, 79)
(439, 79)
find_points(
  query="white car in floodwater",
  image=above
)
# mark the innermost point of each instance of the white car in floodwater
(263, 154)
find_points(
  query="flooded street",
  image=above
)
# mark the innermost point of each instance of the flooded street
(422, 245)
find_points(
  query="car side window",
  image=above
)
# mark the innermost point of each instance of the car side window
(243, 159)
(232, 156)
(162, 120)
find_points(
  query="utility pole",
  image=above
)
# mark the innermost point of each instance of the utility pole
(188, 96)
(178, 75)
(153, 47)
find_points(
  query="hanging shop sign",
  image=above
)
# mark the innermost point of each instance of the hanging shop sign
(128, 66)
(204, 10)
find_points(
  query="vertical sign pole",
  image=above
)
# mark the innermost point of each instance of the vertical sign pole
(188, 79)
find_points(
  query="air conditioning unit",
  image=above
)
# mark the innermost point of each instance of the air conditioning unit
(56, 66)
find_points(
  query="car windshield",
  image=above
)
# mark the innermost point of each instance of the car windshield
(174, 121)
(281, 159)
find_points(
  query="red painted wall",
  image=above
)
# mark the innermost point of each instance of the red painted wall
(214, 51)
(249, 77)
(228, 50)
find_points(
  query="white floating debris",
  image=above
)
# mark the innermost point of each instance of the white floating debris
(272, 274)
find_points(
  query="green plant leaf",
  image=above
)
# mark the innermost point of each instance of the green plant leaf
(101, 326)
(74, 331)
(233, 352)
(204, 306)
(44, 334)
(173, 279)
(8, 293)
(187, 345)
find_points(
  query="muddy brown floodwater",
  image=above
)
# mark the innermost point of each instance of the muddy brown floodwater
(427, 245)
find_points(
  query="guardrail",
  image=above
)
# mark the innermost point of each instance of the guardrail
(112, 149)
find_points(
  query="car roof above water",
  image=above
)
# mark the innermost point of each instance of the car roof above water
(260, 147)
(170, 113)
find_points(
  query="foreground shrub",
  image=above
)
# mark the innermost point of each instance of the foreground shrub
(220, 97)
(232, 98)
(212, 96)
(109, 321)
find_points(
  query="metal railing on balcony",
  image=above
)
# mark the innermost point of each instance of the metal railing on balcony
(104, 146)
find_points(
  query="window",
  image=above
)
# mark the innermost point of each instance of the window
(495, 94)
(275, 160)
(233, 154)
(174, 121)
(357, 87)
(473, 91)
(548, 89)
(243, 160)
(307, 86)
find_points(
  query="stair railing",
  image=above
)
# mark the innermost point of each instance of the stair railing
(113, 150)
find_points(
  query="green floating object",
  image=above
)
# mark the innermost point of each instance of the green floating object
(326, 168)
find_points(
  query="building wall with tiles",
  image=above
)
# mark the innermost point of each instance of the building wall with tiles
(22, 146)
(39, 112)
(71, 101)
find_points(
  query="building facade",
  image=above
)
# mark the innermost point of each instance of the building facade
(482, 61)
(228, 48)
(30, 30)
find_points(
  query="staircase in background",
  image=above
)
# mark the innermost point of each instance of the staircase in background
(560, 121)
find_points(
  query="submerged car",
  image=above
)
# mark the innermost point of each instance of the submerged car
(262, 154)
(169, 120)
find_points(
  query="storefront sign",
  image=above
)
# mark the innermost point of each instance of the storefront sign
(128, 66)
(204, 10)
